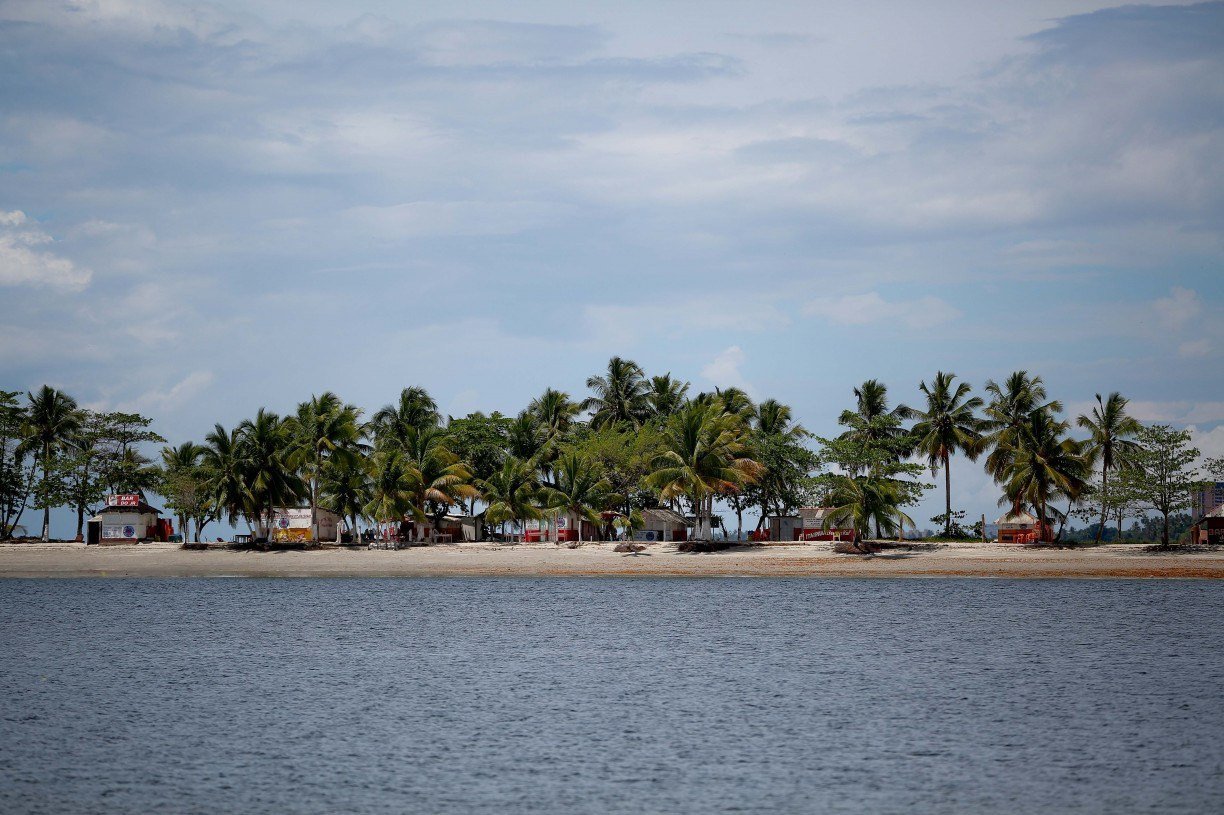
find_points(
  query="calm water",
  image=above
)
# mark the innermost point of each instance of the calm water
(603, 695)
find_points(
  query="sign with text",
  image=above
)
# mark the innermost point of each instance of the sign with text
(125, 500)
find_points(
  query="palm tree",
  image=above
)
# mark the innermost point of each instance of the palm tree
(665, 397)
(345, 489)
(225, 476)
(52, 419)
(526, 436)
(1045, 465)
(776, 419)
(948, 425)
(1006, 416)
(554, 413)
(864, 501)
(183, 463)
(390, 488)
(872, 420)
(436, 475)
(324, 430)
(415, 409)
(510, 492)
(1110, 442)
(704, 457)
(581, 490)
(618, 396)
(272, 481)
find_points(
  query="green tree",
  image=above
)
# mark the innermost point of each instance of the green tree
(480, 442)
(1044, 464)
(15, 479)
(224, 476)
(665, 397)
(947, 426)
(1162, 474)
(437, 479)
(390, 488)
(414, 410)
(346, 489)
(52, 420)
(510, 493)
(325, 430)
(184, 486)
(704, 456)
(1111, 442)
(871, 484)
(265, 445)
(124, 468)
(619, 396)
(581, 490)
(1007, 415)
(85, 462)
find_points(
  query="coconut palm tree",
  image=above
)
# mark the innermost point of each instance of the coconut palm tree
(415, 409)
(618, 396)
(526, 436)
(345, 489)
(52, 420)
(704, 456)
(323, 431)
(554, 413)
(865, 501)
(665, 396)
(436, 476)
(1110, 443)
(390, 489)
(776, 419)
(225, 475)
(510, 493)
(947, 426)
(581, 490)
(1007, 414)
(264, 445)
(1045, 465)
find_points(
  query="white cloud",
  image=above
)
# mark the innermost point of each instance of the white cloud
(1195, 348)
(724, 370)
(1179, 307)
(170, 399)
(871, 308)
(23, 265)
(1210, 443)
(1177, 412)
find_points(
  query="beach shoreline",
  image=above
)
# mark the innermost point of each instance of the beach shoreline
(38, 560)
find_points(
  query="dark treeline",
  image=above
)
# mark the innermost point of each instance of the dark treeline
(631, 443)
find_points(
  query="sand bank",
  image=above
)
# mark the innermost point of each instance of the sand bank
(479, 559)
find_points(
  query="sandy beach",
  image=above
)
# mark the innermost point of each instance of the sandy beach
(594, 559)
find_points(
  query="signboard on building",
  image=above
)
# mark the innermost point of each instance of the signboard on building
(124, 500)
(118, 532)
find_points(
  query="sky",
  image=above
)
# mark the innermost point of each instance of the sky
(206, 208)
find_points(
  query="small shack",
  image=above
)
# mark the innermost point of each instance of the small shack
(807, 525)
(661, 524)
(127, 518)
(562, 528)
(292, 525)
(1211, 527)
(1022, 527)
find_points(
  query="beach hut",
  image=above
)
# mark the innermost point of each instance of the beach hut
(814, 526)
(1021, 527)
(1211, 527)
(292, 525)
(564, 527)
(661, 524)
(127, 518)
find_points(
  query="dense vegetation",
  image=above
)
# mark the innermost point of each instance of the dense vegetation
(633, 443)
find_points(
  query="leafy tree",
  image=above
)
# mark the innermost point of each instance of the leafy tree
(16, 481)
(480, 442)
(184, 485)
(436, 477)
(947, 426)
(52, 421)
(125, 468)
(665, 397)
(1044, 464)
(624, 455)
(390, 487)
(414, 410)
(581, 489)
(1007, 415)
(872, 483)
(510, 493)
(265, 445)
(324, 431)
(85, 464)
(1110, 443)
(1162, 474)
(619, 396)
(526, 437)
(224, 475)
(346, 489)
(704, 456)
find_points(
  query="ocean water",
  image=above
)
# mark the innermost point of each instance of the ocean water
(611, 695)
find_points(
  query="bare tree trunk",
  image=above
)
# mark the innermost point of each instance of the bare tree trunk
(947, 498)
(1104, 493)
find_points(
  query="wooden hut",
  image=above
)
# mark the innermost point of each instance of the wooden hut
(1211, 527)
(661, 524)
(292, 525)
(1022, 527)
(807, 525)
(127, 518)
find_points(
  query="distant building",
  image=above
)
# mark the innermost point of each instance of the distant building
(1207, 500)
(1022, 527)
(1210, 527)
(661, 525)
(807, 525)
(292, 525)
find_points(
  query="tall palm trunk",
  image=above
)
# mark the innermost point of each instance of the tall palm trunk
(947, 497)
(46, 529)
(1104, 493)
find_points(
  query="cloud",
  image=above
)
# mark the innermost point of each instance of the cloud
(1195, 348)
(871, 309)
(23, 265)
(1210, 443)
(1179, 413)
(171, 399)
(724, 370)
(1178, 308)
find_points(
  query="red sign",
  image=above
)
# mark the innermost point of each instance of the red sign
(123, 500)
